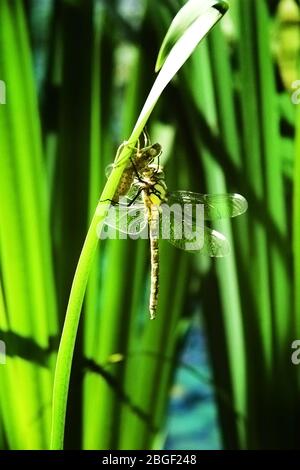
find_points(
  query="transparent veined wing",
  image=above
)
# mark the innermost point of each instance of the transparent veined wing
(181, 228)
(131, 220)
(216, 206)
(215, 243)
(189, 233)
(133, 194)
(209, 242)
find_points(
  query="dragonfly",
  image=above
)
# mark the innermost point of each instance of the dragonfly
(138, 161)
(147, 215)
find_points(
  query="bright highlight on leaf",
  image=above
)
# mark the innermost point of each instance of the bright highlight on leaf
(189, 13)
(181, 40)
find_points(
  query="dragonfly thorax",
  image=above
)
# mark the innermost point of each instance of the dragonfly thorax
(154, 189)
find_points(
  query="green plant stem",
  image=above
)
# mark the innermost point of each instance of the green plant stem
(67, 343)
(68, 338)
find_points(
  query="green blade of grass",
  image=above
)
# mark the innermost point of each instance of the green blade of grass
(226, 268)
(280, 268)
(25, 245)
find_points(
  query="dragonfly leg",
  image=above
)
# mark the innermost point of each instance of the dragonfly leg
(135, 169)
(113, 203)
(146, 136)
(147, 142)
(158, 168)
(116, 203)
(120, 148)
(135, 198)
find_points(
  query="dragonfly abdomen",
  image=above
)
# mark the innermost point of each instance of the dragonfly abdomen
(154, 253)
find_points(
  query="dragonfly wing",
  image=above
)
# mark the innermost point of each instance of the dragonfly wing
(132, 194)
(215, 243)
(189, 237)
(216, 206)
(127, 219)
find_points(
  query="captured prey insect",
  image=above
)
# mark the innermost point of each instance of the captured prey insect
(139, 160)
(177, 216)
